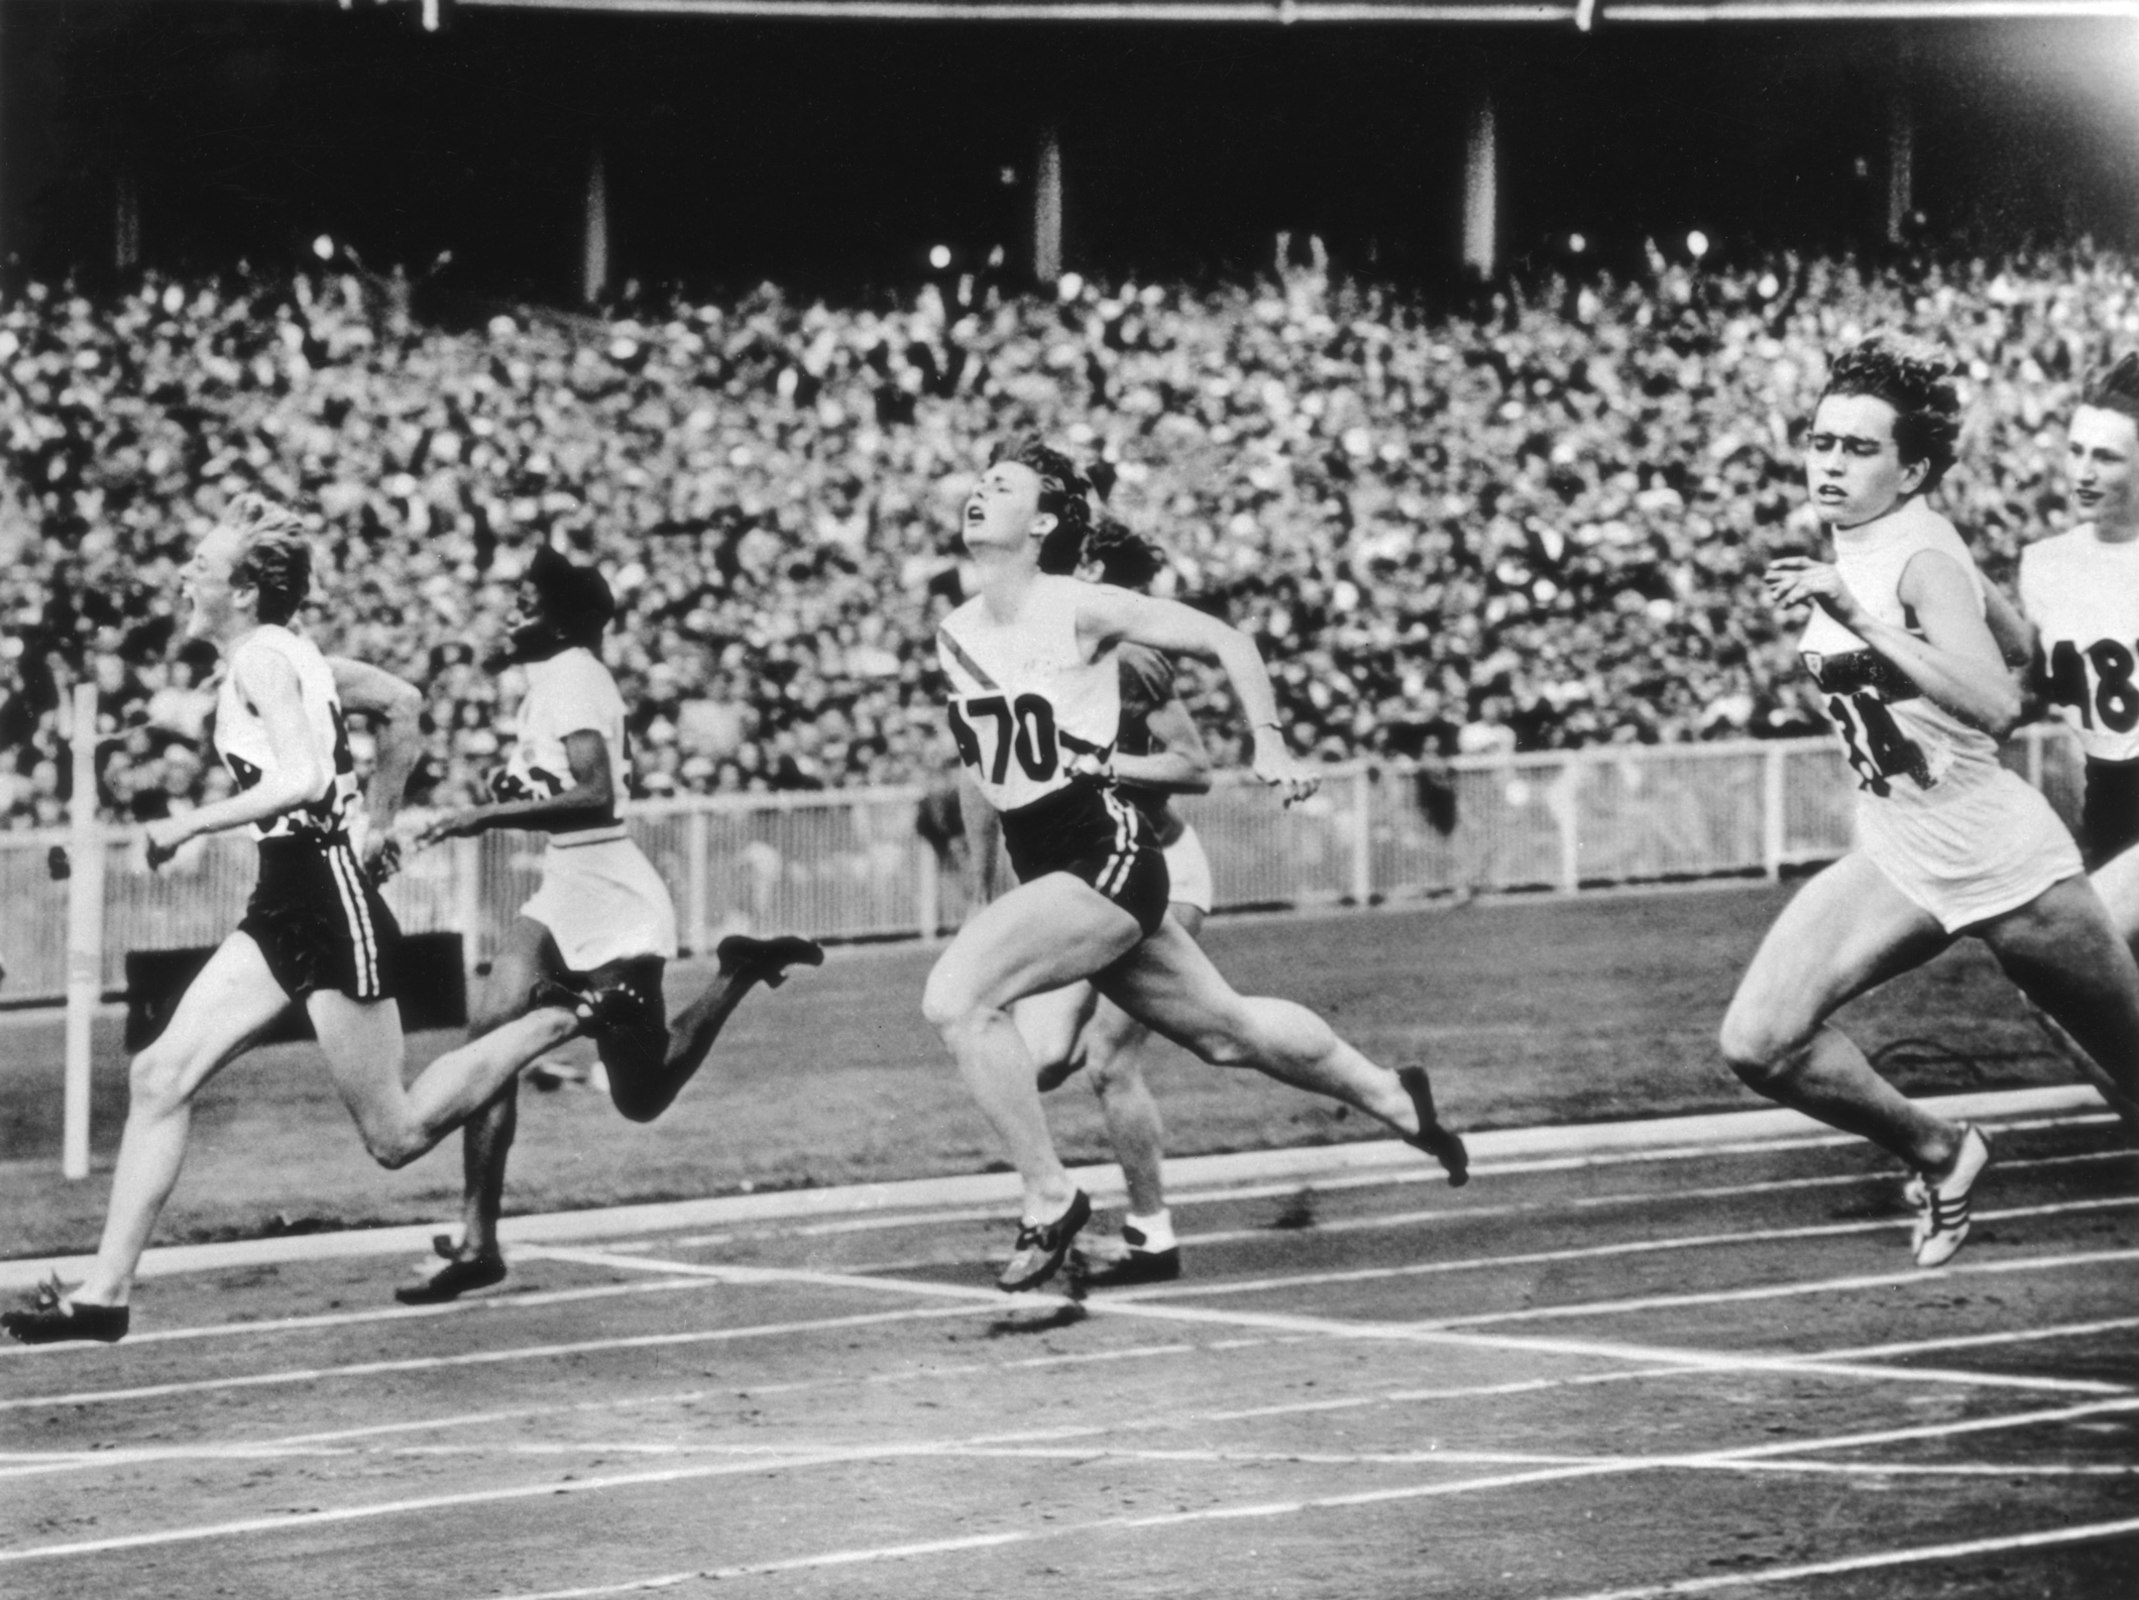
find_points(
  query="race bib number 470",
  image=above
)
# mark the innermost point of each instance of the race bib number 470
(992, 730)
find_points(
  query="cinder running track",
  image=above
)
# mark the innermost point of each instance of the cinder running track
(1680, 1358)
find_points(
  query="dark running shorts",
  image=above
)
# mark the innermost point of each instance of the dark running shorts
(2109, 819)
(320, 923)
(1091, 832)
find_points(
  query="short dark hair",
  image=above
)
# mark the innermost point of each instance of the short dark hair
(1126, 559)
(576, 600)
(1918, 384)
(273, 559)
(2117, 389)
(1064, 495)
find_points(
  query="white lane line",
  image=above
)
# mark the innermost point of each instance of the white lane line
(1444, 1332)
(1781, 1291)
(1233, 1513)
(2090, 1533)
(490, 1305)
(1455, 1210)
(931, 1448)
(1602, 1350)
(477, 1358)
(1628, 1247)
(786, 1455)
(1358, 1164)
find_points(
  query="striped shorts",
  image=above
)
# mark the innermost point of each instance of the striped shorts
(1091, 832)
(319, 922)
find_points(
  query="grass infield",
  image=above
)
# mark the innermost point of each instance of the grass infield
(1528, 1011)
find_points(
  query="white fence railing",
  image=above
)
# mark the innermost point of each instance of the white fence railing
(849, 865)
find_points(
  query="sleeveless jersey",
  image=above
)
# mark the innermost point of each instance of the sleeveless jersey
(241, 737)
(1025, 702)
(1899, 742)
(571, 692)
(2082, 594)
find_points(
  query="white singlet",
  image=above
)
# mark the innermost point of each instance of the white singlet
(241, 736)
(1025, 699)
(2082, 592)
(600, 898)
(1937, 812)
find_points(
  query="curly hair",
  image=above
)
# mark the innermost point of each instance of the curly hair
(1918, 384)
(2117, 389)
(1127, 560)
(273, 557)
(1064, 495)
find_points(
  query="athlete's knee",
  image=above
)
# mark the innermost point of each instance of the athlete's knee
(156, 1079)
(393, 1143)
(1111, 1072)
(1760, 1049)
(949, 1003)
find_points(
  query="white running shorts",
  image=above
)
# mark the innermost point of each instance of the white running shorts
(603, 901)
(1974, 848)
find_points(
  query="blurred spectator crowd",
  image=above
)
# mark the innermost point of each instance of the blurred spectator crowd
(1529, 522)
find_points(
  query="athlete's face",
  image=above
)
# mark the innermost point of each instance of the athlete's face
(2102, 466)
(215, 606)
(533, 633)
(1853, 467)
(1003, 511)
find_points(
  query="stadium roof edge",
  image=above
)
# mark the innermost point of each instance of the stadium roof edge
(1580, 13)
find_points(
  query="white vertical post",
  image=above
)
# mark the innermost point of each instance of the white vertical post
(698, 894)
(928, 892)
(1481, 188)
(1568, 813)
(85, 932)
(1047, 207)
(1900, 162)
(594, 241)
(1363, 837)
(1773, 833)
(126, 222)
(468, 902)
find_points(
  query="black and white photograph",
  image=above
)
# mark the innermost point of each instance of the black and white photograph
(1258, 799)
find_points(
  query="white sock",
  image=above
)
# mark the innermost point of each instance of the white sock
(1157, 1231)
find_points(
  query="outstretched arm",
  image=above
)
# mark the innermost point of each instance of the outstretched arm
(1181, 764)
(590, 799)
(1107, 616)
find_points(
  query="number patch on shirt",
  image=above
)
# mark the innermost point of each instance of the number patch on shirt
(2111, 699)
(1878, 750)
(991, 729)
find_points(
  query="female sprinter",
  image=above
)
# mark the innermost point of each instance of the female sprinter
(1035, 709)
(314, 931)
(1948, 841)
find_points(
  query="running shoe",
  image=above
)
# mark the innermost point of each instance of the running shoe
(458, 1276)
(1942, 1202)
(1439, 1142)
(1117, 1261)
(1042, 1247)
(601, 1007)
(51, 1318)
(768, 959)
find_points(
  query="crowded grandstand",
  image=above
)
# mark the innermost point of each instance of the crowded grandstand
(1534, 521)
